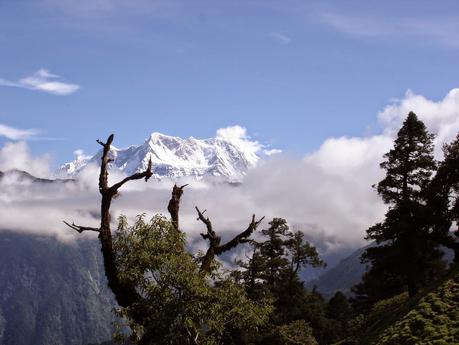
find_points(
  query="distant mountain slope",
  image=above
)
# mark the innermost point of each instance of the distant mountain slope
(23, 176)
(222, 156)
(348, 272)
(52, 293)
(341, 277)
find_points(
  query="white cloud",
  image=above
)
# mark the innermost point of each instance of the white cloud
(44, 81)
(99, 8)
(18, 156)
(345, 155)
(441, 117)
(238, 136)
(271, 152)
(358, 25)
(80, 155)
(327, 194)
(16, 133)
(281, 37)
(355, 158)
(442, 30)
(332, 210)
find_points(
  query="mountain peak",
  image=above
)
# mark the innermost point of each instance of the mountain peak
(229, 155)
(155, 136)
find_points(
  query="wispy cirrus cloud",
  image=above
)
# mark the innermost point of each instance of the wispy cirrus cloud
(281, 37)
(44, 81)
(357, 25)
(16, 133)
(100, 8)
(443, 31)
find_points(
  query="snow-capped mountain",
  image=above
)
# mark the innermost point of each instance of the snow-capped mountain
(228, 155)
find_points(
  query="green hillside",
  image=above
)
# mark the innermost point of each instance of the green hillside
(432, 318)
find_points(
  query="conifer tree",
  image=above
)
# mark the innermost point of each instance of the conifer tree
(339, 308)
(405, 255)
(443, 199)
(273, 272)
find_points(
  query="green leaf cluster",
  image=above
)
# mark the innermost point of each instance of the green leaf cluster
(183, 304)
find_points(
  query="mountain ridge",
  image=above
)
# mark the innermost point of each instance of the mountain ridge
(228, 156)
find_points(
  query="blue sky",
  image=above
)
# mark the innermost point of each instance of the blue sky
(294, 73)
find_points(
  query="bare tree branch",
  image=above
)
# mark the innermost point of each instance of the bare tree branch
(210, 235)
(242, 237)
(214, 240)
(125, 293)
(137, 176)
(80, 228)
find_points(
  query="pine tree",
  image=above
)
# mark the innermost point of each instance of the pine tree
(405, 254)
(274, 252)
(339, 312)
(273, 271)
(339, 308)
(443, 199)
(451, 164)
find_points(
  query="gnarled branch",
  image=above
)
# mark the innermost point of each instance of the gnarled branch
(174, 204)
(80, 228)
(243, 237)
(214, 240)
(125, 294)
(137, 176)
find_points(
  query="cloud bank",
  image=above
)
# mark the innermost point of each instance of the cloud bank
(441, 118)
(44, 81)
(327, 194)
(16, 155)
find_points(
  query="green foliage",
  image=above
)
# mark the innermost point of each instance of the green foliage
(409, 165)
(434, 320)
(273, 271)
(383, 309)
(443, 198)
(339, 308)
(295, 333)
(421, 212)
(408, 256)
(278, 260)
(184, 306)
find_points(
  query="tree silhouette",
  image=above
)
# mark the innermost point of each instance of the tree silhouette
(406, 255)
(133, 292)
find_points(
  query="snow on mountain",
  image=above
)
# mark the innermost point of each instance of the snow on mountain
(228, 155)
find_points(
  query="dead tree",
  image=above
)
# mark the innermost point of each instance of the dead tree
(174, 205)
(125, 294)
(215, 248)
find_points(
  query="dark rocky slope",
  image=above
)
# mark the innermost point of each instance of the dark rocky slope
(51, 292)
